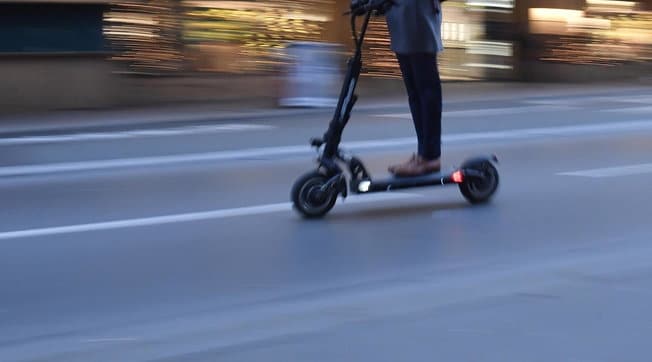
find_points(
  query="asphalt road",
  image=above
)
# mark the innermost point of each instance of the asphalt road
(178, 243)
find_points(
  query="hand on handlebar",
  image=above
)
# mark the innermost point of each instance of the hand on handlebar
(361, 7)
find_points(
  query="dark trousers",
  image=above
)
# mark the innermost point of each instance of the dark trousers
(423, 84)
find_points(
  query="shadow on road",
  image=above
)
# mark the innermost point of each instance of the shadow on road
(373, 212)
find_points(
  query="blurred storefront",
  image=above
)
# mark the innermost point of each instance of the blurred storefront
(484, 39)
(587, 39)
(88, 53)
(600, 32)
(219, 36)
(230, 36)
(53, 54)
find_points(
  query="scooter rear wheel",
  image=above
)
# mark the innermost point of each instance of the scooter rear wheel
(309, 199)
(479, 190)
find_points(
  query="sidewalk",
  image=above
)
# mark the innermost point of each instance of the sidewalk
(370, 98)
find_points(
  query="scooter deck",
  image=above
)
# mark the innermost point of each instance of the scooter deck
(397, 183)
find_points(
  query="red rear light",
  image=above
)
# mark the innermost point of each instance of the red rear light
(457, 177)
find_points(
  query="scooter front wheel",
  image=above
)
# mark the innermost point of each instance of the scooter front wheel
(309, 198)
(479, 190)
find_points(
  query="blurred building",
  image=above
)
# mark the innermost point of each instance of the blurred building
(89, 53)
(484, 39)
(584, 39)
(251, 36)
(214, 36)
(53, 54)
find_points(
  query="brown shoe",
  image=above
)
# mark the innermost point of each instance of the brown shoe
(419, 167)
(397, 168)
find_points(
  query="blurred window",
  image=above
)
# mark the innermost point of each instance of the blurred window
(51, 28)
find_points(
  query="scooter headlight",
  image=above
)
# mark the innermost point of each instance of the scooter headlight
(363, 186)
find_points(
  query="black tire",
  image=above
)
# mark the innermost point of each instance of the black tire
(480, 191)
(307, 201)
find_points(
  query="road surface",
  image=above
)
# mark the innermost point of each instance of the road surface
(178, 243)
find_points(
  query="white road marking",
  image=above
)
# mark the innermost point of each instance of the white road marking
(188, 130)
(266, 152)
(556, 102)
(487, 111)
(629, 170)
(640, 98)
(596, 128)
(95, 165)
(643, 109)
(578, 101)
(188, 217)
(109, 340)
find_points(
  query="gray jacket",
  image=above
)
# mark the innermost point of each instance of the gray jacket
(415, 26)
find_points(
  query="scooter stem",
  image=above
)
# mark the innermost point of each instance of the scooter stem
(347, 97)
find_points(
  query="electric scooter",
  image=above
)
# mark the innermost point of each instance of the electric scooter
(315, 193)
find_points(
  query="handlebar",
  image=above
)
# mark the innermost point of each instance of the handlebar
(366, 8)
(358, 38)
